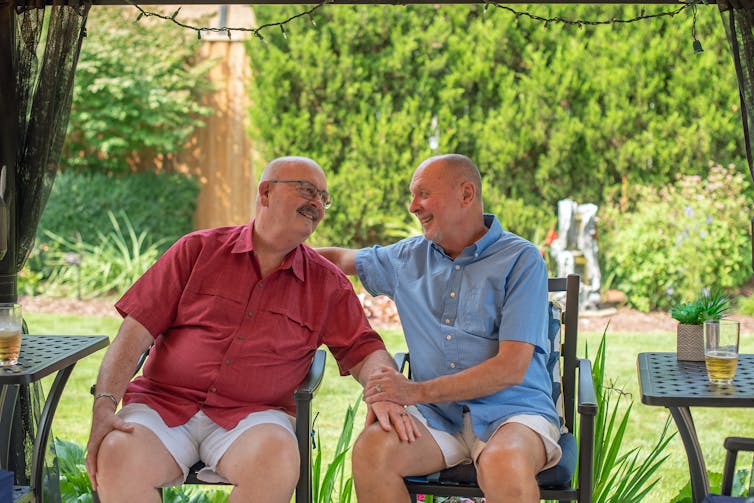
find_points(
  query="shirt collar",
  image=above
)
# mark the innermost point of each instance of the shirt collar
(293, 261)
(494, 231)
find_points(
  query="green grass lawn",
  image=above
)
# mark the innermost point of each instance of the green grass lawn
(337, 393)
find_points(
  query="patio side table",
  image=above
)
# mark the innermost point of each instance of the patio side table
(679, 385)
(41, 355)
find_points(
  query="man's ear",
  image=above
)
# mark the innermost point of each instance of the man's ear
(264, 192)
(468, 193)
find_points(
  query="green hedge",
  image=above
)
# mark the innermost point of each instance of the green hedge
(546, 113)
(163, 205)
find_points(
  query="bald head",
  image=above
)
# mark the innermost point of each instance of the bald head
(281, 165)
(456, 169)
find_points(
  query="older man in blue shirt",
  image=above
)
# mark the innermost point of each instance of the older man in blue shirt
(472, 299)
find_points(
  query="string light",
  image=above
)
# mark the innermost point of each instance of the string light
(199, 29)
(580, 23)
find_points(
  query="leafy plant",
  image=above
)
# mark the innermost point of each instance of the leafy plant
(112, 264)
(162, 204)
(709, 306)
(664, 243)
(740, 487)
(620, 475)
(132, 102)
(324, 483)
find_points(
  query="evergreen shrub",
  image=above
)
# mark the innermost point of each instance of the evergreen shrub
(371, 91)
(162, 205)
(666, 244)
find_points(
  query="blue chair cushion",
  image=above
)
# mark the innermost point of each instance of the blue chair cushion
(560, 475)
(714, 498)
(553, 361)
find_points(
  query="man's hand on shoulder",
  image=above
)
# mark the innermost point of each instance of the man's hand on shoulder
(344, 258)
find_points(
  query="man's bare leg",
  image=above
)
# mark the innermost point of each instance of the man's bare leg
(380, 461)
(130, 466)
(508, 465)
(263, 464)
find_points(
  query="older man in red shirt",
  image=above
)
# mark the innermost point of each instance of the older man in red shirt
(235, 315)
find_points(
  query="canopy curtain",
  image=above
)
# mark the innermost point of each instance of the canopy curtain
(41, 49)
(738, 18)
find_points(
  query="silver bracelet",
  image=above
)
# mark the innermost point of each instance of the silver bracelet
(107, 395)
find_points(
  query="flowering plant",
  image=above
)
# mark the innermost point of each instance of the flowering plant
(709, 306)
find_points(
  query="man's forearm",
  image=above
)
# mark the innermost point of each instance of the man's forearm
(120, 360)
(371, 365)
(344, 258)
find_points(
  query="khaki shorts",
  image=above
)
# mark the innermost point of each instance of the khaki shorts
(465, 447)
(200, 439)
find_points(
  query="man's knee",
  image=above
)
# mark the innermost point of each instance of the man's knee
(511, 467)
(374, 447)
(113, 452)
(138, 458)
(268, 449)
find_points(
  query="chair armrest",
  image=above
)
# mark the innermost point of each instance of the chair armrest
(313, 379)
(587, 400)
(732, 446)
(304, 432)
(401, 360)
(745, 444)
(587, 408)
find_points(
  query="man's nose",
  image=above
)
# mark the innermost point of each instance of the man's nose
(413, 206)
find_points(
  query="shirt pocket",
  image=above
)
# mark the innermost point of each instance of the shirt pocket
(223, 287)
(293, 335)
(477, 315)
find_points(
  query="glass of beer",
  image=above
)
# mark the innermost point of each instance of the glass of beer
(721, 349)
(10, 333)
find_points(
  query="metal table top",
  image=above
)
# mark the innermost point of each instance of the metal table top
(664, 380)
(41, 355)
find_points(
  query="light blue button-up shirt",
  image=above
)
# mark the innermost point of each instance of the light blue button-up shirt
(456, 312)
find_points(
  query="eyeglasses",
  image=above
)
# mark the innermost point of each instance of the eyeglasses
(309, 191)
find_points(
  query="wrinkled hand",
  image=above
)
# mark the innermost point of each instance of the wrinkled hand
(104, 421)
(388, 384)
(393, 416)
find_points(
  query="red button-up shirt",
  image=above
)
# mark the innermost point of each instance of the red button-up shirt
(231, 343)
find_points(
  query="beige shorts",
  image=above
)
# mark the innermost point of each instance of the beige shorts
(200, 439)
(465, 447)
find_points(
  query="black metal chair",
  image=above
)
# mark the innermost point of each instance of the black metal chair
(303, 395)
(556, 483)
(732, 446)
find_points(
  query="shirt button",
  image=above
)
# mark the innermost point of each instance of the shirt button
(260, 284)
(240, 337)
(213, 389)
(452, 294)
(447, 321)
(453, 365)
(448, 337)
(227, 362)
(458, 268)
(249, 314)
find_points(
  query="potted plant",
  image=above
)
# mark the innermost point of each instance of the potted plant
(691, 317)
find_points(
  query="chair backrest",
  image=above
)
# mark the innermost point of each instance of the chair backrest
(564, 339)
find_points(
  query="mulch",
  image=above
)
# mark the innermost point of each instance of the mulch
(382, 313)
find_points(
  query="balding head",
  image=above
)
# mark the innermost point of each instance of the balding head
(447, 199)
(277, 168)
(290, 201)
(455, 168)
